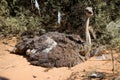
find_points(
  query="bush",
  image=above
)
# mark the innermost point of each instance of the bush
(114, 31)
(18, 16)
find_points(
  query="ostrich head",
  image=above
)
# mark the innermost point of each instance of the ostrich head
(89, 11)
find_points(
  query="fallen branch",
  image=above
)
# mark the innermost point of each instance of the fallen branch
(113, 63)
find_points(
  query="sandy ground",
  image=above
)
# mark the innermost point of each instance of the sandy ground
(16, 67)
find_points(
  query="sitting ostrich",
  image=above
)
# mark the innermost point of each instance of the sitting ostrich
(89, 13)
(54, 49)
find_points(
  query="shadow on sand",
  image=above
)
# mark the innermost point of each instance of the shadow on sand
(3, 78)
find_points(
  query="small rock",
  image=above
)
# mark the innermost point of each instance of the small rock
(34, 76)
(96, 75)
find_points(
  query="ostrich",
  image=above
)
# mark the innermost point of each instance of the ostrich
(56, 49)
(100, 49)
(89, 13)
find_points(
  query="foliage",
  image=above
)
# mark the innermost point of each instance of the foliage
(17, 16)
(4, 8)
(113, 29)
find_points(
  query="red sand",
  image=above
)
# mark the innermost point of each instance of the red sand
(16, 67)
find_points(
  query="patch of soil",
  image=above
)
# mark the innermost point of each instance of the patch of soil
(86, 76)
(16, 67)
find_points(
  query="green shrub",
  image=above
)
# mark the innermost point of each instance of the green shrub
(17, 16)
(114, 31)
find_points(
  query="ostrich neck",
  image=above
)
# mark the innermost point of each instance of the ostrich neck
(88, 38)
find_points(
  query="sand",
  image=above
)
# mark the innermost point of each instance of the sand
(16, 67)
